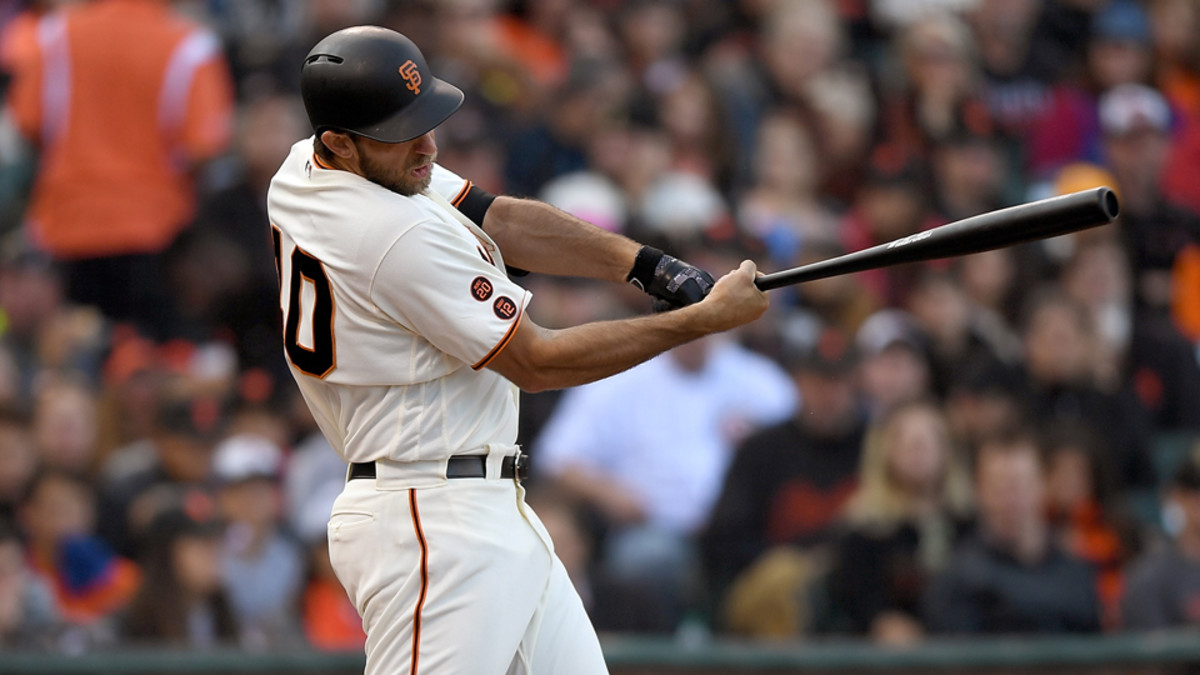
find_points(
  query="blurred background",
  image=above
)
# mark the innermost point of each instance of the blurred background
(994, 447)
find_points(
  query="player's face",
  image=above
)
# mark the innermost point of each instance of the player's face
(405, 168)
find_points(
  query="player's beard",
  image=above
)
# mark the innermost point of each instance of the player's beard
(392, 178)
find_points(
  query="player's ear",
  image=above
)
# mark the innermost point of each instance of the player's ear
(339, 143)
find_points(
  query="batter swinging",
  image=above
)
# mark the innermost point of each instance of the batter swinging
(409, 341)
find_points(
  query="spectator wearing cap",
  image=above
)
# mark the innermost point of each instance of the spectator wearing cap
(1120, 48)
(262, 566)
(1154, 231)
(1163, 586)
(911, 507)
(1117, 52)
(894, 361)
(181, 602)
(1009, 575)
(173, 462)
(789, 481)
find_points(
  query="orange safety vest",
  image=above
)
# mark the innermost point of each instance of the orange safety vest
(123, 98)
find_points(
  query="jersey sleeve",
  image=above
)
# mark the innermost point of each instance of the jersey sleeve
(450, 294)
(449, 184)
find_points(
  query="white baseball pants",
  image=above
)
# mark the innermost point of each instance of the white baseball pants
(457, 577)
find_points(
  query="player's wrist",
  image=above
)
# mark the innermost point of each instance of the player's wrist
(644, 264)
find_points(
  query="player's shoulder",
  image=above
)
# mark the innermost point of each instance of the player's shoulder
(303, 181)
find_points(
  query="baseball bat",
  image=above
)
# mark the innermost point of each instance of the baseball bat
(995, 229)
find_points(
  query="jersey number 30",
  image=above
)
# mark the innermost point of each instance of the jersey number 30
(318, 359)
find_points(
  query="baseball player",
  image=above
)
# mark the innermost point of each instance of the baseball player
(409, 342)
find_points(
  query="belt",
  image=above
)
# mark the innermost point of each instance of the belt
(460, 466)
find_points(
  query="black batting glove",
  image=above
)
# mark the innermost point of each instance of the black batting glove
(670, 281)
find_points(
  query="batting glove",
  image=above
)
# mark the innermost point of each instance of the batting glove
(670, 281)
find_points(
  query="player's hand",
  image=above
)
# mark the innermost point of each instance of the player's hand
(672, 282)
(735, 300)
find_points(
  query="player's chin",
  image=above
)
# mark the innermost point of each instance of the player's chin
(407, 188)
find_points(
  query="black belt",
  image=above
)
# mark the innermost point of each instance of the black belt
(460, 466)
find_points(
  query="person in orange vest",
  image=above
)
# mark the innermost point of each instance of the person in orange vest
(123, 100)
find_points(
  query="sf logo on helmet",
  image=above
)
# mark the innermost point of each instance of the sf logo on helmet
(412, 76)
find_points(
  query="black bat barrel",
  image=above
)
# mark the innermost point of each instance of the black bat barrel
(1040, 219)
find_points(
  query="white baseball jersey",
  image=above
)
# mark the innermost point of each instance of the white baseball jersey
(392, 307)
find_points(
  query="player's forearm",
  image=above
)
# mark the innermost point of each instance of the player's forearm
(535, 236)
(536, 358)
(557, 359)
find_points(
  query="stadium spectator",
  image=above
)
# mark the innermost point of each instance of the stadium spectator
(1015, 84)
(1136, 123)
(839, 302)
(1145, 350)
(984, 398)
(1117, 53)
(605, 449)
(18, 461)
(894, 361)
(115, 181)
(1010, 575)
(782, 207)
(1062, 367)
(934, 97)
(796, 43)
(43, 331)
(261, 565)
(91, 583)
(942, 311)
(556, 142)
(29, 616)
(990, 282)
(789, 481)
(180, 602)
(173, 463)
(233, 292)
(911, 507)
(64, 424)
(1086, 512)
(1163, 586)
(892, 201)
(970, 175)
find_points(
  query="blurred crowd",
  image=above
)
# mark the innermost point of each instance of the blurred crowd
(1001, 443)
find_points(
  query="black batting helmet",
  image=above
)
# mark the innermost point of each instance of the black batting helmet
(374, 82)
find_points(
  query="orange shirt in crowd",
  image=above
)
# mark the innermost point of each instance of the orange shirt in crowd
(123, 98)
(330, 620)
